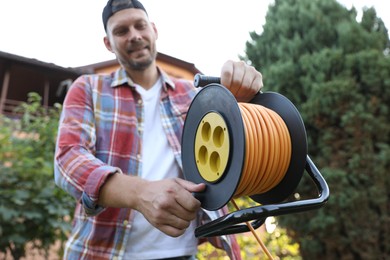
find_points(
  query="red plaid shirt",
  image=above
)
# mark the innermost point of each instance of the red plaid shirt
(97, 137)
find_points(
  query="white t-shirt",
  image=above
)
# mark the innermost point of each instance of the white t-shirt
(145, 241)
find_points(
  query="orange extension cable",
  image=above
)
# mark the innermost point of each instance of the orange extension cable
(268, 154)
(268, 150)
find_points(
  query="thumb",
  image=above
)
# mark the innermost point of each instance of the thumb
(190, 186)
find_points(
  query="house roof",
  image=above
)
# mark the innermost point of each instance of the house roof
(8, 58)
(160, 56)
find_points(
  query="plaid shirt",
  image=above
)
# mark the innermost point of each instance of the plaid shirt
(98, 136)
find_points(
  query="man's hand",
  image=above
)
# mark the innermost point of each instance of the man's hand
(169, 204)
(242, 80)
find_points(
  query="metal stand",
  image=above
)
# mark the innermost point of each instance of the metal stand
(232, 222)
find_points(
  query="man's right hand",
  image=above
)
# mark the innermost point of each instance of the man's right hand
(167, 204)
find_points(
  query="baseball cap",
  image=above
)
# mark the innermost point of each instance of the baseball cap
(114, 6)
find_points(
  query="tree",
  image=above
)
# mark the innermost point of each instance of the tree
(32, 209)
(336, 70)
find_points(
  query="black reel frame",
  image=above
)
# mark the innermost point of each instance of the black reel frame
(232, 222)
(237, 222)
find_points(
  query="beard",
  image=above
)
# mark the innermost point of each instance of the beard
(139, 65)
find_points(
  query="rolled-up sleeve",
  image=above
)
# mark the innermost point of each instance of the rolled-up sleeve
(76, 169)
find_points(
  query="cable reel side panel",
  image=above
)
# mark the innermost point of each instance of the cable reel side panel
(214, 99)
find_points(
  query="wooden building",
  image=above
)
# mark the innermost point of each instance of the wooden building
(20, 76)
(173, 66)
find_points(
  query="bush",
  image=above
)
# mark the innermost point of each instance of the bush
(32, 209)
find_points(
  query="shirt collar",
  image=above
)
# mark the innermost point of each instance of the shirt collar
(120, 77)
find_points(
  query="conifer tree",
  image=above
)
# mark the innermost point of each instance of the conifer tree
(336, 70)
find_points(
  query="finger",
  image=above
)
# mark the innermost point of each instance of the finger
(170, 212)
(227, 73)
(178, 222)
(179, 208)
(252, 84)
(190, 186)
(188, 203)
(185, 198)
(237, 77)
(258, 82)
(178, 201)
(247, 90)
(171, 231)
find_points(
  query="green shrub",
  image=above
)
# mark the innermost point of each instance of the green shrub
(32, 209)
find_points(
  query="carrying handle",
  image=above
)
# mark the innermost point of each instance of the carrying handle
(230, 223)
(202, 80)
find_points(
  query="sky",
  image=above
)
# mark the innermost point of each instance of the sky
(69, 33)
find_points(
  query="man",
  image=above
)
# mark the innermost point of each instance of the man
(118, 148)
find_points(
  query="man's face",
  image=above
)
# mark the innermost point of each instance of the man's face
(132, 37)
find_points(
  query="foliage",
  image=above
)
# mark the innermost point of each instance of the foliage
(336, 70)
(277, 242)
(32, 209)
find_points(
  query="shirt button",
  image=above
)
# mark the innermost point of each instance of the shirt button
(139, 101)
(126, 224)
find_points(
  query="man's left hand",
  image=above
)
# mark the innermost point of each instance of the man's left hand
(243, 80)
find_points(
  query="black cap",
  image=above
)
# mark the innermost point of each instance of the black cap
(114, 6)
